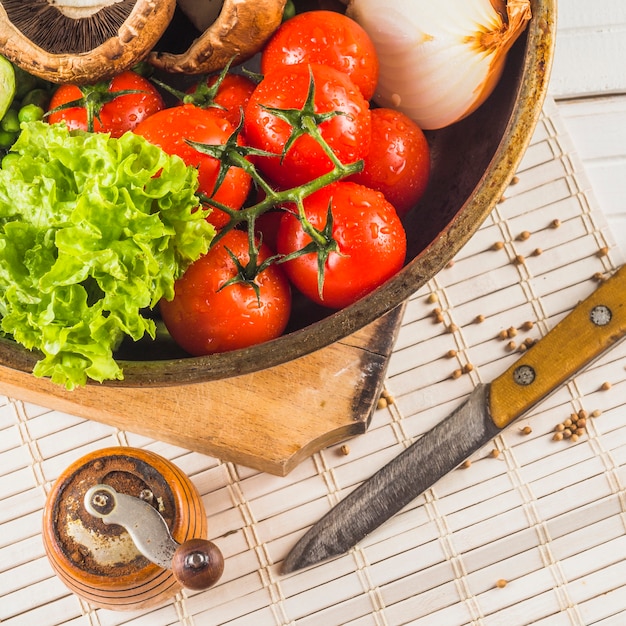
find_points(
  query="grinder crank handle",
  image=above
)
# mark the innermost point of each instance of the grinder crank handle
(196, 563)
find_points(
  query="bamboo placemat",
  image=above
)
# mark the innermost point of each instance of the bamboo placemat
(531, 533)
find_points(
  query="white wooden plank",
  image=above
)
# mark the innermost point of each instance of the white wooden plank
(590, 48)
(597, 129)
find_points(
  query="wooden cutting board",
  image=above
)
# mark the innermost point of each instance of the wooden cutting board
(268, 420)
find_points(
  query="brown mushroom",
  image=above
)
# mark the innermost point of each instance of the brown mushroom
(241, 29)
(81, 41)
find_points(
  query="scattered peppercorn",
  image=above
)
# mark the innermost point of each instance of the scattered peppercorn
(511, 332)
(511, 345)
(572, 428)
(498, 245)
(596, 413)
(524, 236)
(515, 180)
(479, 319)
(345, 449)
(519, 259)
(468, 367)
(451, 353)
(457, 374)
(466, 464)
(432, 298)
(382, 403)
(537, 252)
(555, 223)
(527, 430)
(452, 328)
(603, 251)
(501, 584)
(605, 386)
(388, 397)
(528, 325)
(495, 453)
(503, 335)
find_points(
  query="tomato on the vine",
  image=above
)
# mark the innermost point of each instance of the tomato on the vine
(327, 38)
(370, 244)
(170, 128)
(348, 132)
(116, 114)
(207, 316)
(231, 97)
(399, 164)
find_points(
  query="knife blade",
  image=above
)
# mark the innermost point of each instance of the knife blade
(589, 330)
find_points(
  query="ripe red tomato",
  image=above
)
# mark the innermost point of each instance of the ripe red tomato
(119, 115)
(232, 94)
(170, 128)
(267, 226)
(327, 38)
(348, 134)
(370, 237)
(205, 317)
(399, 165)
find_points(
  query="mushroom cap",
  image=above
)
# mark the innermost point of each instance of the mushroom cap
(240, 31)
(71, 41)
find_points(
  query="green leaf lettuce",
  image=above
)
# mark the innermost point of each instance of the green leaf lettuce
(93, 231)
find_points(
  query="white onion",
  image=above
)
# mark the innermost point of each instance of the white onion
(439, 59)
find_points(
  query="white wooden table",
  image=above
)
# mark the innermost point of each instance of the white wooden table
(589, 82)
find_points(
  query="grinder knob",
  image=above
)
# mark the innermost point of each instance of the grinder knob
(197, 564)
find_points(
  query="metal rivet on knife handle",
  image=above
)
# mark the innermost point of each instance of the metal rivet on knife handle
(524, 375)
(592, 327)
(600, 315)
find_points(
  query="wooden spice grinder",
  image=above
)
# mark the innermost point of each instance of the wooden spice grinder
(125, 529)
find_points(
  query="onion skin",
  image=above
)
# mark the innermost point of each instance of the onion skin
(439, 61)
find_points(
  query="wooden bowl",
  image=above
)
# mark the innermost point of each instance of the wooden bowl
(473, 162)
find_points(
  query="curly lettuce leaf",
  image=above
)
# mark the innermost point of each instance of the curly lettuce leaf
(93, 231)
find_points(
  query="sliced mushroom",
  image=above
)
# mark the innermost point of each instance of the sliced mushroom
(239, 32)
(81, 41)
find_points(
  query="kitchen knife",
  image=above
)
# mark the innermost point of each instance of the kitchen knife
(590, 329)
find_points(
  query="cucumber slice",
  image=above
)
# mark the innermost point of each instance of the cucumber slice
(7, 85)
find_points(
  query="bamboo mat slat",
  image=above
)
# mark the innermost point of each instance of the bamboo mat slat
(546, 517)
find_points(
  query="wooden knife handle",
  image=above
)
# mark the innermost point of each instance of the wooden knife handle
(593, 326)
